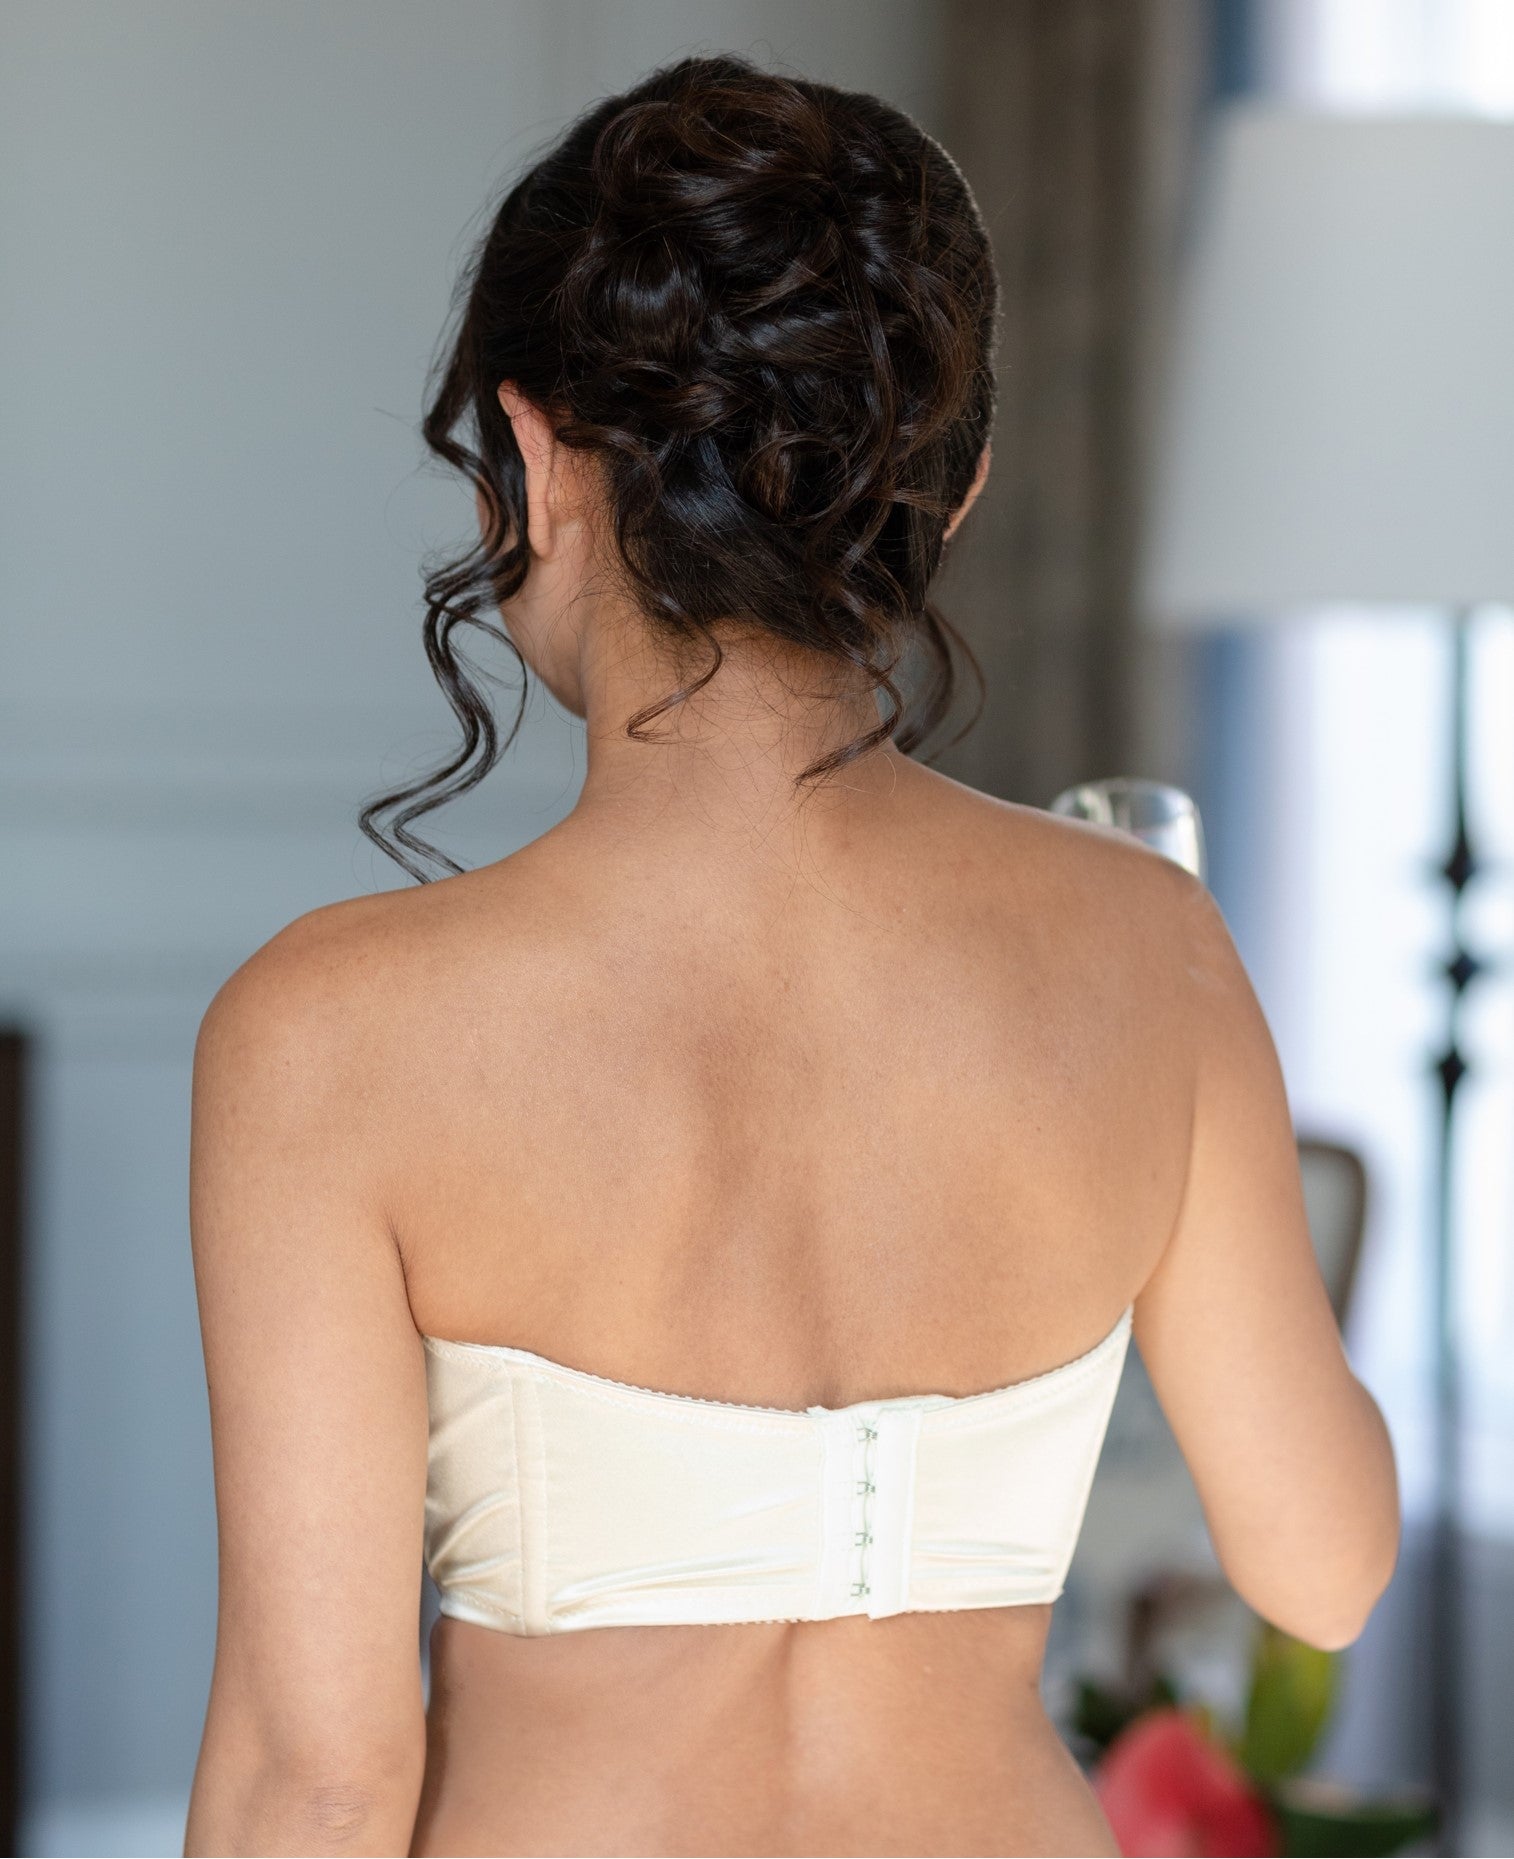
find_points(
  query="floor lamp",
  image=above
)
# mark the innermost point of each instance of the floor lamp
(1338, 426)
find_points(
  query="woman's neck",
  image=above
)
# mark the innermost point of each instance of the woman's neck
(725, 760)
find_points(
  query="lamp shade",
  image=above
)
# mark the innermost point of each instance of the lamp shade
(1338, 420)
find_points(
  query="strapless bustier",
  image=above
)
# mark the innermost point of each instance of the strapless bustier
(557, 1499)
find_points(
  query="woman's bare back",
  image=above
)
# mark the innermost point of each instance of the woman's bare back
(912, 1118)
(914, 1095)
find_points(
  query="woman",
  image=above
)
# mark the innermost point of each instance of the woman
(738, 1198)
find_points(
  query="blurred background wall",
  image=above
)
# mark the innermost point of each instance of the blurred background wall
(229, 234)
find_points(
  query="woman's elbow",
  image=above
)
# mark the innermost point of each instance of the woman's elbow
(1317, 1563)
(1331, 1632)
(1332, 1611)
(345, 1804)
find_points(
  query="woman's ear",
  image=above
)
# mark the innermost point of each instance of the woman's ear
(980, 478)
(539, 450)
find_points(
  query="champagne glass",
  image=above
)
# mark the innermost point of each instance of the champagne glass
(1160, 816)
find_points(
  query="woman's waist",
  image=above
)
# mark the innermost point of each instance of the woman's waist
(645, 1738)
(816, 1697)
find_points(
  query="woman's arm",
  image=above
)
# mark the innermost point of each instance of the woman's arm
(315, 1736)
(1289, 1452)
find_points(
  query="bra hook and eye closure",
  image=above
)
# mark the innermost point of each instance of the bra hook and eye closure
(866, 1485)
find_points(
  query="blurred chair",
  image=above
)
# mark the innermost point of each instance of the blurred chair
(1335, 1198)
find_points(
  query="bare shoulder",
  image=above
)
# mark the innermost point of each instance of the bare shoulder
(1083, 879)
(326, 995)
(307, 979)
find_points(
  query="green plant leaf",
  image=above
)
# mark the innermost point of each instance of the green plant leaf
(1292, 1689)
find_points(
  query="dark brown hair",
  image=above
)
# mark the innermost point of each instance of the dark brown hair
(770, 307)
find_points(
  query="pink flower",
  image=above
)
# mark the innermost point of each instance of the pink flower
(1169, 1791)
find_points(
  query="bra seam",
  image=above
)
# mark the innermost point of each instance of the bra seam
(535, 1566)
(740, 1421)
(479, 1597)
(921, 1605)
(755, 1417)
(539, 1369)
(1036, 1397)
(1093, 1453)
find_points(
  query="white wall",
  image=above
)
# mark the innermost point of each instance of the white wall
(229, 233)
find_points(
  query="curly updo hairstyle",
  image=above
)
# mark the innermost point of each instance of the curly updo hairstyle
(770, 307)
